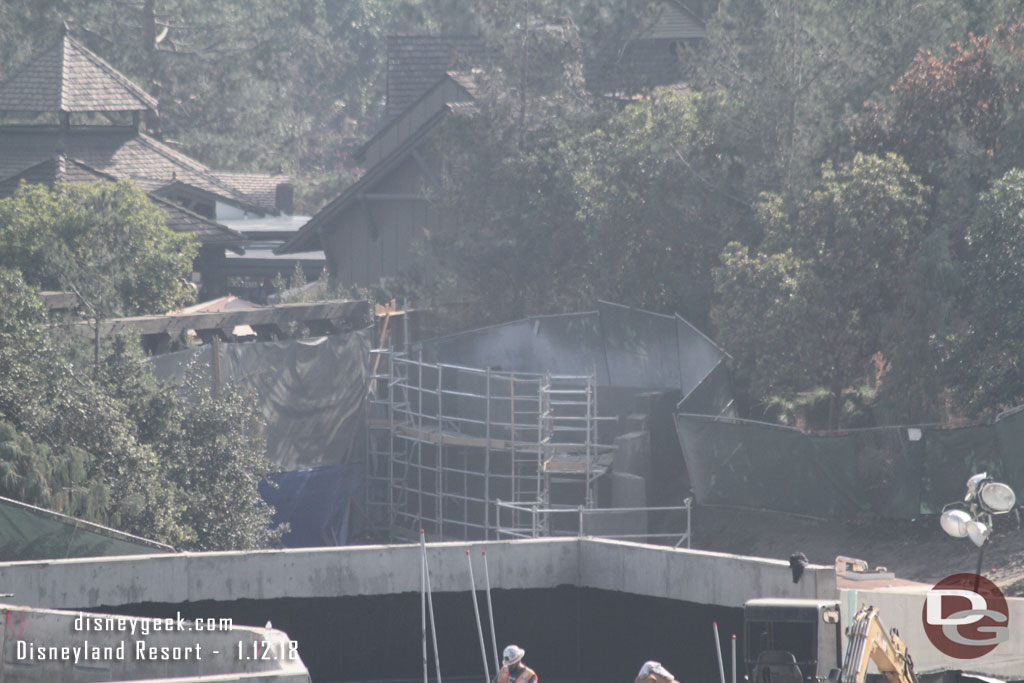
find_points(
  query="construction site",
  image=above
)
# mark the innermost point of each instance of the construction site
(577, 483)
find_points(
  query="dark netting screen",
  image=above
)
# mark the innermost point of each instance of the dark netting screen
(894, 472)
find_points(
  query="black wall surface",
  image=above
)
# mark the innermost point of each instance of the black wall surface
(569, 634)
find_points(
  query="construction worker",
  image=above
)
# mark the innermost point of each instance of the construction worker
(514, 671)
(654, 672)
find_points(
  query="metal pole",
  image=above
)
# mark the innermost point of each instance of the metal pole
(423, 601)
(689, 511)
(490, 612)
(586, 450)
(535, 521)
(476, 612)
(734, 658)
(718, 644)
(487, 458)
(580, 510)
(439, 475)
(430, 605)
(977, 573)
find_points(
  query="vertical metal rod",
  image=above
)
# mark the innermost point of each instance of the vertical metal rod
(490, 612)
(535, 521)
(718, 645)
(419, 437)
(581, 521)
(476, 612)
(391, 389)
(439, 474)
(423, 601)
(430, 604)
(586, 448)
(405, 325)
(689, 511)
(734, 658)
(487, 457)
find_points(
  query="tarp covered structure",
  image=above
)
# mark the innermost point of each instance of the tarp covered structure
(893, 472)
(311, 392)
(32, 533)
(619, 345)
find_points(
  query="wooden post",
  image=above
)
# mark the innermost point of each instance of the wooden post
(215, 363)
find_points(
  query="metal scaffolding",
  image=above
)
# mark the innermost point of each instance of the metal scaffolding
(445, 443)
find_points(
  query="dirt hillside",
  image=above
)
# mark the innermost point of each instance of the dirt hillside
(916, 550)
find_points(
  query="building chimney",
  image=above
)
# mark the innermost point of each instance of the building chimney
(284, 198)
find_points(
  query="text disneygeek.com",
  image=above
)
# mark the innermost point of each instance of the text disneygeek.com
(252, 646)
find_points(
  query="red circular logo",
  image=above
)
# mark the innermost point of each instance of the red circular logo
(966, 616)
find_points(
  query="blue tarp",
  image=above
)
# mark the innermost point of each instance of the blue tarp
(314, 503)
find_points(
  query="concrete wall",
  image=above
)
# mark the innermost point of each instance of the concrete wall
(124, 650)
(695, 576)
(903, 609)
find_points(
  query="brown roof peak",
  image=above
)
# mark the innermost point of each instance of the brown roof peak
(68, 77)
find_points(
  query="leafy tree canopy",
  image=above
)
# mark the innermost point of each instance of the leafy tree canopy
(105, 241)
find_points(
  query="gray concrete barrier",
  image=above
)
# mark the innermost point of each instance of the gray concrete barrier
(695, 576)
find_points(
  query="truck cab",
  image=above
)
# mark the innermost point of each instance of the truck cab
(791, 641)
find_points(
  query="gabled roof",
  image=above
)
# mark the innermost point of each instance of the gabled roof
(416, 62)
(308, 236)
(118, 150)
(68, 77)
(61, 169)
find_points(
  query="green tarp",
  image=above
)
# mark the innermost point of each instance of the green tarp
(893, 472)
(31, 533)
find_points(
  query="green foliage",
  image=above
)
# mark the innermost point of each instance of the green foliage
(116, 448)
(55, 479)
(815, 310)
(985, 360)
(105, 241)
(660, 194)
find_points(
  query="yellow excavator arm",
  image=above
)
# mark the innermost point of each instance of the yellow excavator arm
(869, 641)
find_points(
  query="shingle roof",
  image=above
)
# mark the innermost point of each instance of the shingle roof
(120, 151)
(180, 219)
(260, 188)
(59, 168)
(68, 77)
(415, 63)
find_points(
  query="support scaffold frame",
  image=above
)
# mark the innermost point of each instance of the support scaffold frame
(446, 442)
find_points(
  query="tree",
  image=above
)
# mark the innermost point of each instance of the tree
(828, 283)
(116, 448)
(984, 365)
(105, 241)
(793, 68)
(659, 195)
(209, 446)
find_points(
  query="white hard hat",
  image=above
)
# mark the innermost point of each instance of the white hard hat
(655, 668)
(512, 654)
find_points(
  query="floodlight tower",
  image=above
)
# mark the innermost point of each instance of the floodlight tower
(973, 516)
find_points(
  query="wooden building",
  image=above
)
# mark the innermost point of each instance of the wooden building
(87, 122)
(369, 233)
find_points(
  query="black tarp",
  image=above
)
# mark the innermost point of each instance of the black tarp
(311, 393)
(893, 472)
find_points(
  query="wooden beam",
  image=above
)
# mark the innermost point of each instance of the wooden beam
(279, 315)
